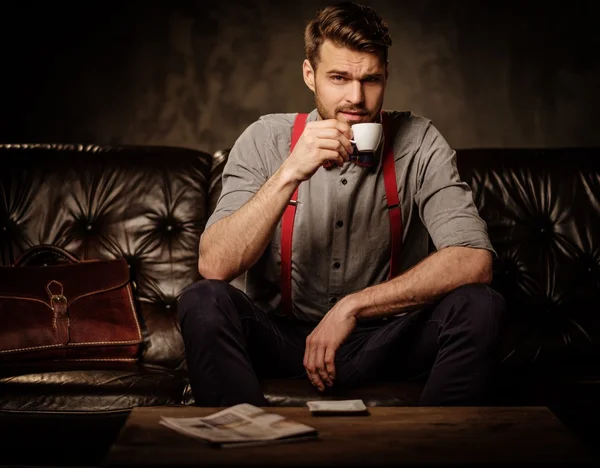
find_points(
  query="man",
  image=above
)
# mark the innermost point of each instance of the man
(319, 302)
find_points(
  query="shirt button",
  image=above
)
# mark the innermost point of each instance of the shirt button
(344, 181)
(333, 300)
(339, 224)
(336, 265)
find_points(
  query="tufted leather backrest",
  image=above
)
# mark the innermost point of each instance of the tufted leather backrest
(542, 207)
(150, 204)
(147, 204)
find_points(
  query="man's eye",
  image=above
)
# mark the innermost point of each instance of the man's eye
(337, 78)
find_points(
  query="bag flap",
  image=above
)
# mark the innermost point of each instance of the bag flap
(73, 280)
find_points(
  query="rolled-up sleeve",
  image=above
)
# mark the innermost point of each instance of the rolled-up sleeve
(244, 172)
(445, 202)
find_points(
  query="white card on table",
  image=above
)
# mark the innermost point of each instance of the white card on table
(341, 406)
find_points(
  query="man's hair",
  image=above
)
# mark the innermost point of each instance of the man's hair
(347, 24)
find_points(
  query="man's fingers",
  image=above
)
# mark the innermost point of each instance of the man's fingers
(331, 138)
(342, 127)
(330, 364)
(320, 364)
(330, 133)
(315, 379)
(335, 145)
(348, 145)
(311, 364)
(334, 134)
(334, 157)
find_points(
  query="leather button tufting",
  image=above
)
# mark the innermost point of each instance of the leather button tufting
(133, 202)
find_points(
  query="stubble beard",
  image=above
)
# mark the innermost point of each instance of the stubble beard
(321, 109)
(325, 114)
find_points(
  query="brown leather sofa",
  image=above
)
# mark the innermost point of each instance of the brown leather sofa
(150, 205)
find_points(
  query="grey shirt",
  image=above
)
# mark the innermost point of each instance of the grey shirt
(341, 242)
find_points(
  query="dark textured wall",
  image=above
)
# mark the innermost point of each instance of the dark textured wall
(489, 73)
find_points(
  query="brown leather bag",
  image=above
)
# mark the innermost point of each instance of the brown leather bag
(67, 310)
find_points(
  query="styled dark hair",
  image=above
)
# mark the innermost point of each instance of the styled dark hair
(347, 24)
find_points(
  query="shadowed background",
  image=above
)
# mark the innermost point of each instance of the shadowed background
(195, 74)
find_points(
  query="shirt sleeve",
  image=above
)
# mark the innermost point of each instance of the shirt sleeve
(445, 202)
(244, 172)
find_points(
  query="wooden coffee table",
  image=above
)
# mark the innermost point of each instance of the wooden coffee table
(394, 435)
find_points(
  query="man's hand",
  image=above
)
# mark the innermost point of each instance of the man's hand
(321, 141)
(324, 341)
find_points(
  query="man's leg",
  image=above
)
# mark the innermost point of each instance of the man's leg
(463, 332)
(454, 342)
(226, 336)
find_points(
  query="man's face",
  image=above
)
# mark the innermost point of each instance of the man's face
(348, 85)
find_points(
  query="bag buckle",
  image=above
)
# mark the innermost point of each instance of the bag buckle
(57, 298)
(60, 320)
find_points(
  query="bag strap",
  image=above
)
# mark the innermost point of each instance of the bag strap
(37, 254)
(393, 206)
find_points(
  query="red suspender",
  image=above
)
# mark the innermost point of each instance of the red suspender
(287, 230)
(393, 205)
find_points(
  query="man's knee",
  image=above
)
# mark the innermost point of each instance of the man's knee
(201, 301)
(483, 307)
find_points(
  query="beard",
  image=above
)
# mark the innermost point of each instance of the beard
(326, 113)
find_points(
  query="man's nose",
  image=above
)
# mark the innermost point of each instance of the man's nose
(356, 94)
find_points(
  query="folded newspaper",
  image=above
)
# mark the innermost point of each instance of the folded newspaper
(241, 425)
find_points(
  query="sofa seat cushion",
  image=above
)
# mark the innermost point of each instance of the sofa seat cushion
(93, 388)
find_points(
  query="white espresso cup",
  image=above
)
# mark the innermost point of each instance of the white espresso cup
(367, 136)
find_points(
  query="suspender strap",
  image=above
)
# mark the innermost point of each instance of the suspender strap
(287, 230)
(393, 205)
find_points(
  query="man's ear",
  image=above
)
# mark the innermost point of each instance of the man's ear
(309, 75)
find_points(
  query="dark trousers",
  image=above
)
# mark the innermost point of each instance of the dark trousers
(230, 344)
